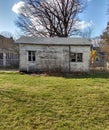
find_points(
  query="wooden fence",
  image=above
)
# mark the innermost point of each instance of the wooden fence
(9, 59)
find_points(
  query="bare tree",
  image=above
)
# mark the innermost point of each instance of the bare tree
(105, 35)
(50, 18)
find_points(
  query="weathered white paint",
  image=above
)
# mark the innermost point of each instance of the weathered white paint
(54, 57)
(81, 66)
(47, 57)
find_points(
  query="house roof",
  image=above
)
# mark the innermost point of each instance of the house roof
(7, 43)
(53, 41)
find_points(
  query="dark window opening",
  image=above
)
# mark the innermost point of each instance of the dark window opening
(76, 57)
(73, 57)
(31, 56)
(79, 57)
(1, 55)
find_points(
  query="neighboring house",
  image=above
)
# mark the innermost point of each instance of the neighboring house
(39, 54)
(9, 57)
(105, 49)
(99, 58)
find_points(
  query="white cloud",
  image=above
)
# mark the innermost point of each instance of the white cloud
(17, 6)
(82, 25)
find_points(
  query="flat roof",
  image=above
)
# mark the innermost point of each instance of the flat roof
(53, 41)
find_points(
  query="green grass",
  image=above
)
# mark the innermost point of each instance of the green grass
(34, 102)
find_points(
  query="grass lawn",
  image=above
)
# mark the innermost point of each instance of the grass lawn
(35, 102)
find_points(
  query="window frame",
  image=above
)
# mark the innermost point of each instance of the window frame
(78, 57)
(31, 56)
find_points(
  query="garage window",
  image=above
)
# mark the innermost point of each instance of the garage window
(76, 57)
(1, 55)
(31, 56)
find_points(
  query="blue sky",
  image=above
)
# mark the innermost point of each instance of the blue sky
(95, 15)
(7, 16)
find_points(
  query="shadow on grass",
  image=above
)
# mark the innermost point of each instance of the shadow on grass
(97, 74)
(73, 75)
(88, 75)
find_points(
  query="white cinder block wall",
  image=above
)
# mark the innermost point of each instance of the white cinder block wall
(81, 66)
(54, 57)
